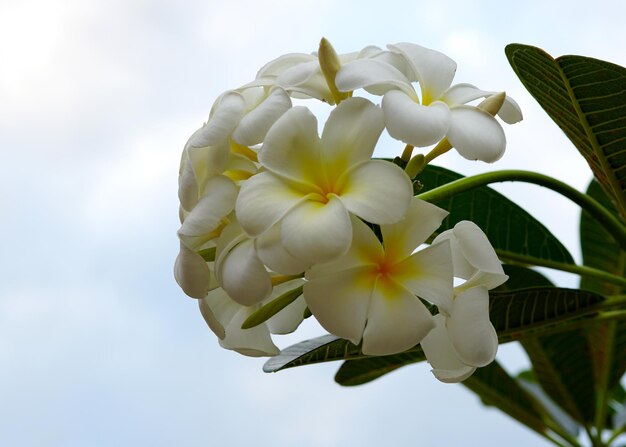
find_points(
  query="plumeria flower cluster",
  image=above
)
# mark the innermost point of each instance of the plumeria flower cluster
(279, 222)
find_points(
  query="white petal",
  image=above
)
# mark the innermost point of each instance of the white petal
(210, 318)
(340, 302)
(288, 319)
(365, 250)
(277, 66)
(226, 114)
(447, 367)
(263, 200)
(419, 223)
(187, 185)
(473, 336)
(476, 247)
(428, 274)
(192, 273)
(397, 320)
(369, 73)
(460, 94)
(351, 133)
(306, 79)
(243, 275)
(510, 111)
(317, 232)
(434, 70)
(292, 146)
(377, 191)
(272, 253)
(475, 134)
(413, 123)
(254, 126)
(217, 202)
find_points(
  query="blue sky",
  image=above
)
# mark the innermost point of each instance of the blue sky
(98, 346)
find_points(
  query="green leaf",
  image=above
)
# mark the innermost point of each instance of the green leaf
(497, 388)
(522, 278)
(270, 309)
(561, 363)
(513, 314)
(508, 226)
(358, 372)
(586, 98)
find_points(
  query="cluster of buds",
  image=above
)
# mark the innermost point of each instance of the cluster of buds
(278, 222)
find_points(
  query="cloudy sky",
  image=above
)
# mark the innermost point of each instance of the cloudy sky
(98, 346)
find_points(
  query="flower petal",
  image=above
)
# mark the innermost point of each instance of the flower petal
(377, 191)
(317, 232)
(472, 334)
(476, 247)
(413, 123)
(463, 93)
(447, 367)
(375, 75)
(217, 202)
(419, 223)
(225, 115)
(428, 274)
(272, 253)
(433, 70)
(307, 80)
(351, 133)
(288, 319)
(243, 275)
(365, 250)
(192, 273)
(263, 200)
(254, 342)
(510, 111)
(340, 301)
(277, 66)
(475, 134)
(254, 126)
(397, 320)
(292, 146)
(210, 318)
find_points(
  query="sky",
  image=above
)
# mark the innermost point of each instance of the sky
(98, 345)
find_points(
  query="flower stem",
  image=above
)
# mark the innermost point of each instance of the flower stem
(587, 203)
(406, 154)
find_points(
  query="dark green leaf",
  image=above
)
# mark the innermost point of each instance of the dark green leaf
(358, 372)
(586, 98)
(522, 278)
(508, 227)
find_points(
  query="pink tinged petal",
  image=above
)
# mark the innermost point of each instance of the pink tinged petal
(263, 200)
(397, 320)
(254, 126)
(433, 70)
(243, 276)
(476, 134)
(510, 111)
(428, 274)
(217, 202)
(460, 94)
(192, 273)
(375, 75)
(413, 123)
(226, 114)
(317, 232)
(419, 223)
(292, 147)
(365, 250)
(377, 191)
(270, 250)
(351, 133)
(447, 367)
(472, 334)
(340, 301)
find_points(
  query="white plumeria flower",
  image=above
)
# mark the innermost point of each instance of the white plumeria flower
(441, 112)
(373, 292)
(225, 317)
(311, 185)
(464, 338)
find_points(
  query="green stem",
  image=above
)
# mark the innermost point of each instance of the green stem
(591, 206)
(514, 258)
